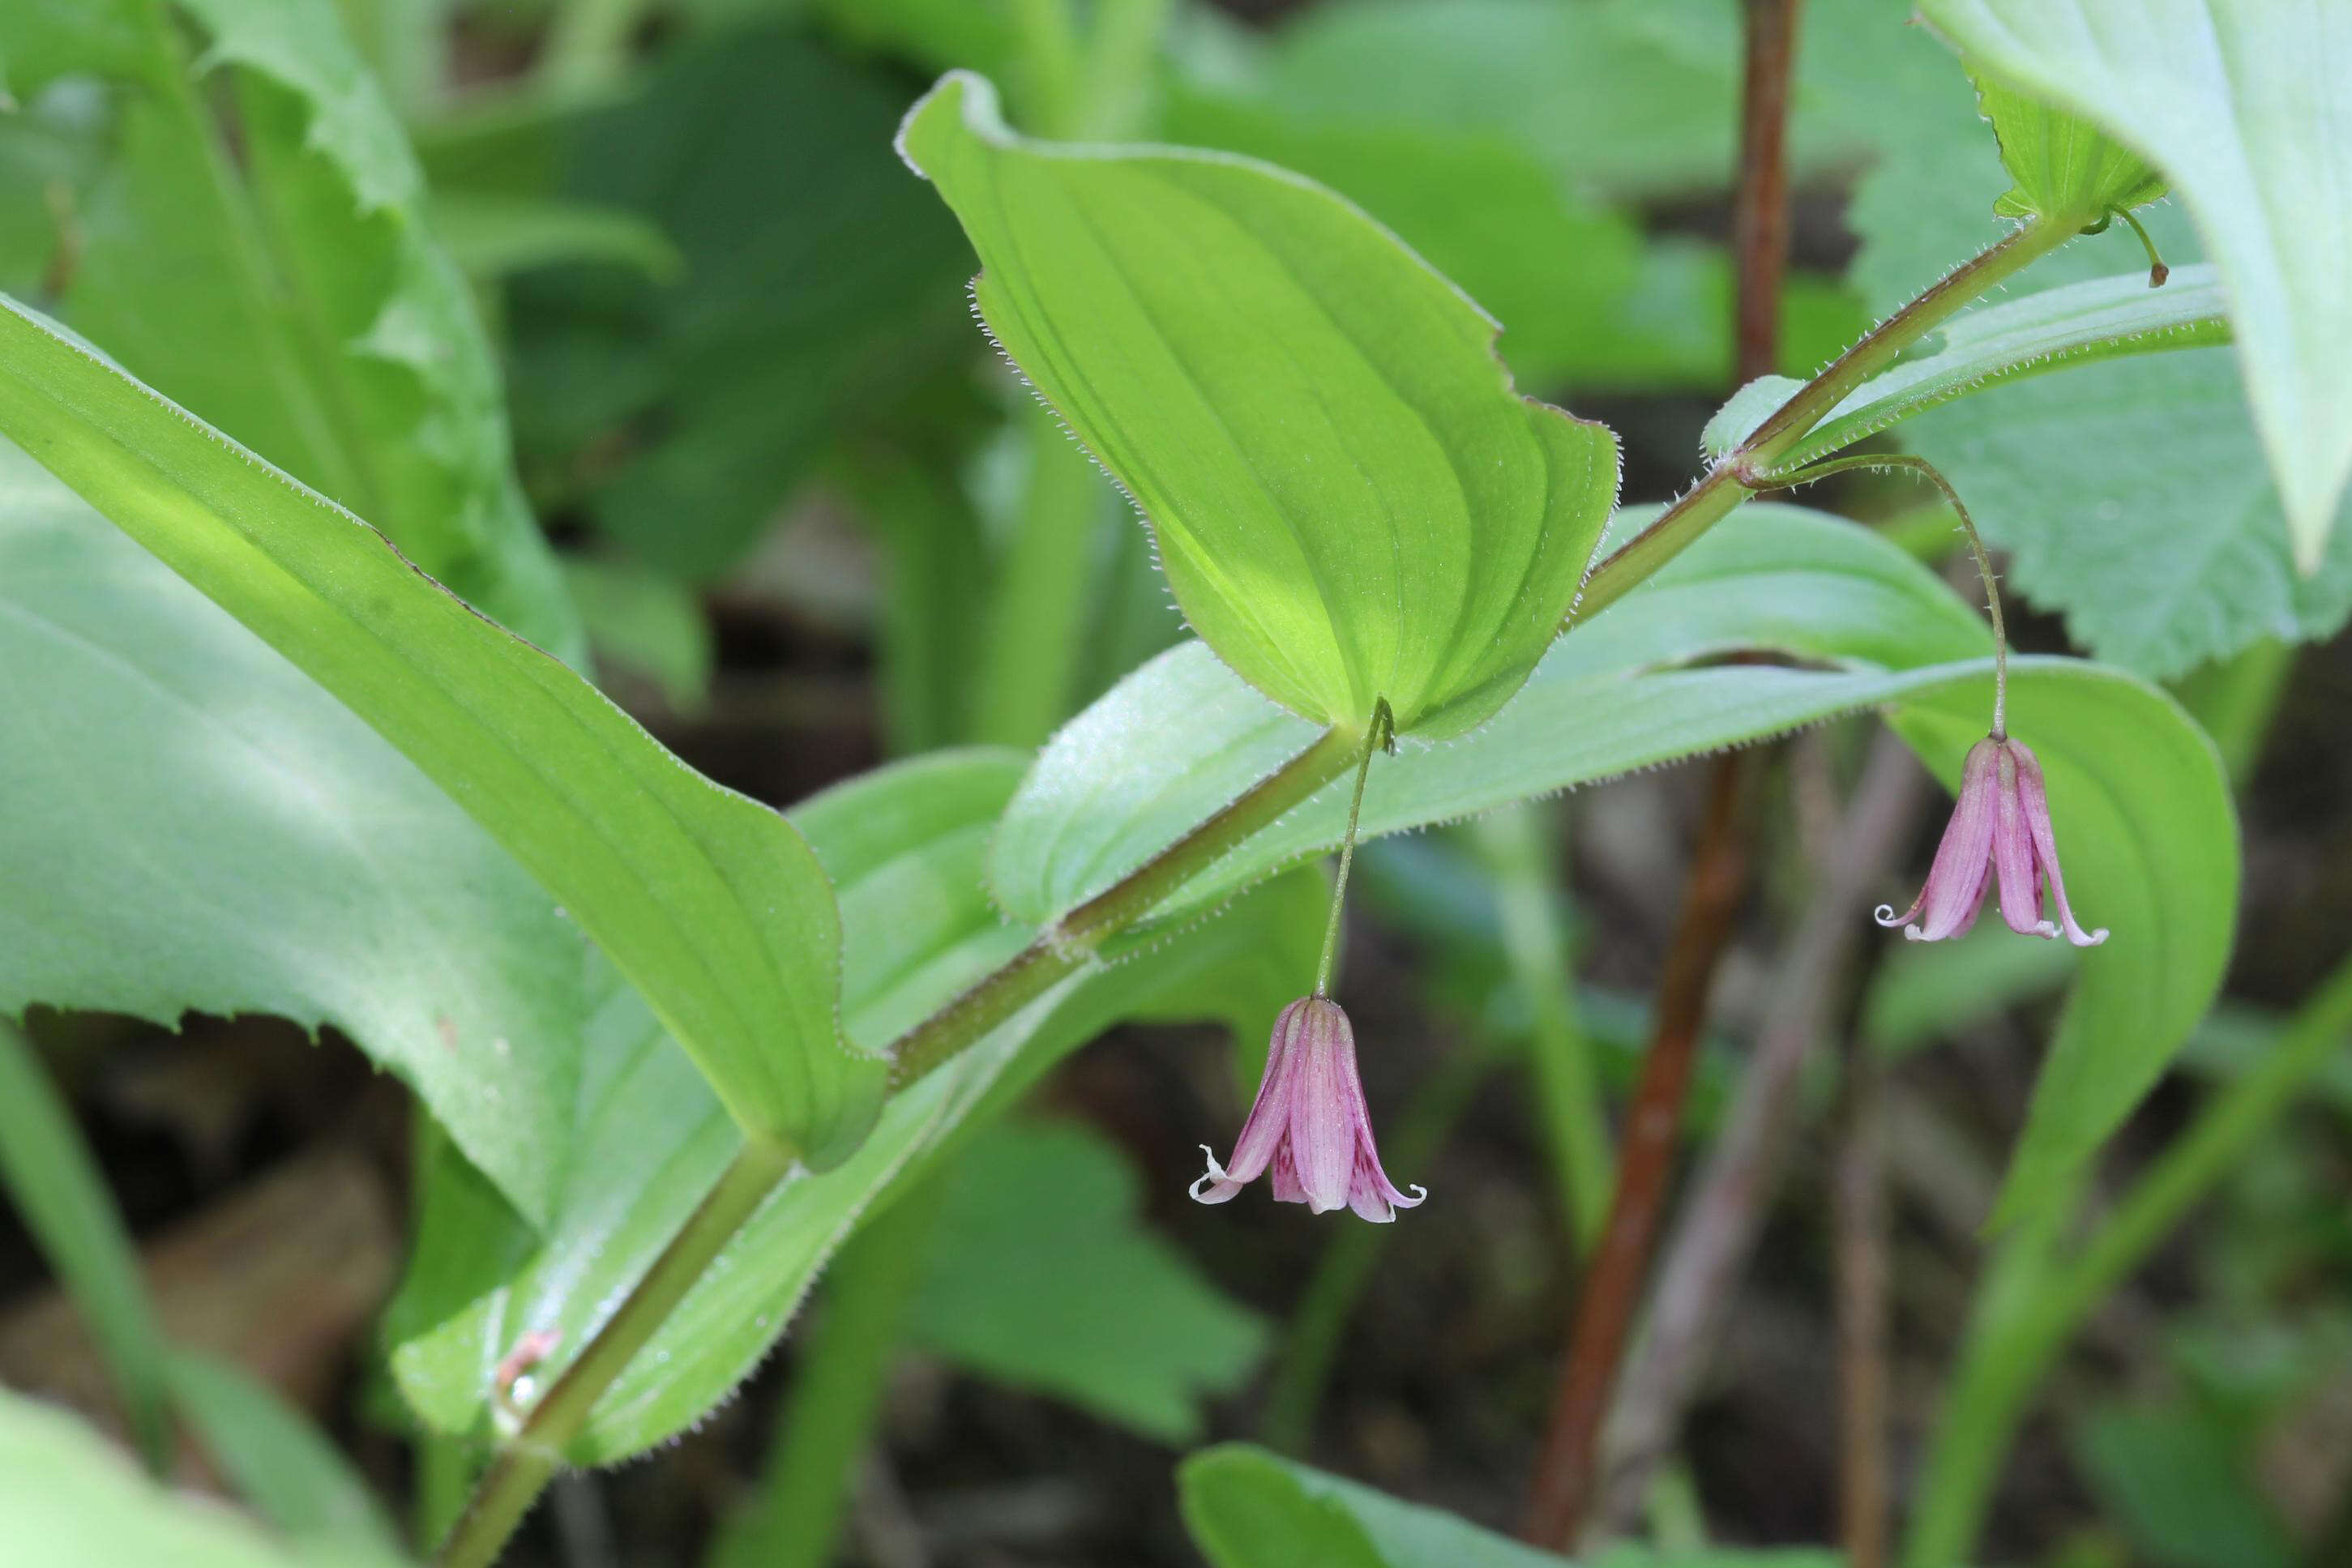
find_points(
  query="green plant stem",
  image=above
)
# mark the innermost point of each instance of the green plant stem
(1522, 856)
(1374, 739)
(587, 45)
(2039, 1292)
(517, 1476)
(1319, 1322)
(531, 1459)
(1729, 482)
(1901, 462)
(828, 1421)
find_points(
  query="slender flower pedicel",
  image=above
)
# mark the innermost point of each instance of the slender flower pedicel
(1309, 1125)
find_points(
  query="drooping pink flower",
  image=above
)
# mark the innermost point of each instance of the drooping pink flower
(1309, 1123)
(2000, 826)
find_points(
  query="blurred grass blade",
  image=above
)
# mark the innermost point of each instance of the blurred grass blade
(290, 1472)
(712, 905)
(62, 1200)
(71, 1503)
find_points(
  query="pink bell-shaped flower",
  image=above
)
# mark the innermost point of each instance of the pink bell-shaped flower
(2000, 826)
(1309, 1124)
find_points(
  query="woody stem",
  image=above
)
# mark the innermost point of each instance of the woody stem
(1380, 733)
(1905, 462)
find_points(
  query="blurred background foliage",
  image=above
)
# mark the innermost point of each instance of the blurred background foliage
(765, 472)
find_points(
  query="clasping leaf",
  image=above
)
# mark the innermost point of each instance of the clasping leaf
(1349, 499)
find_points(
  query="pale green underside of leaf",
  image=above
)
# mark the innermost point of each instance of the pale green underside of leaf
(2240, 102)
(188, 823)
(1247, 1508)
(2067, 170)
(1617, 694)
(905, 847)
(1036, 1206)
(286, 287)
(2133, 498)
(72, 1499)
(2075, 324)
(710, 902)
(1113, 787)
(1348, 499)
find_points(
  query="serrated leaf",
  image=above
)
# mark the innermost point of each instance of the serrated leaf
(192, 825)
(2075, 324)
(2235, 100)
(1117, 785)
(2067, 170)
(710, 902)
(2150, 842)
(905, 846)
(71, 1500)
(2134, 499)
(1035, 1208)
(286, 287)
(1394, 524)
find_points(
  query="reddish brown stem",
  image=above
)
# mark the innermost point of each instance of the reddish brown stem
(1862, 1273)
(1612, 1286)
(1568, 1468)
(1759, 217)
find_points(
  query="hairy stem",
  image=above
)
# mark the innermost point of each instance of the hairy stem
(1377, 736)
(1899, 462)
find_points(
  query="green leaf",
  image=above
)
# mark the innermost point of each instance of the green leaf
(281, 283)
(1247, 1508)
(905, 846)
(292, 1472)
(62, 1199)
(2145, 822)
(192, 825)
(2134, 499)
(819, 283)
(2067, 170)
(491, 236)
(710, 902)
(2232, 99)
(2150, 842)
(2078, 323)
(2175, 1478)
(1036, 1206)
(70, 1500)
(1396, 524)
(1119, 783)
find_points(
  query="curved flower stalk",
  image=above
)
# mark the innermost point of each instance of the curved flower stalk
(1310, 1125)
(2000, 826)
(2001, 822)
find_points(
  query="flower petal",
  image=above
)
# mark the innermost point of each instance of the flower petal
(1955, 882)
(2012, 855)
(2035, 800)
(1326, 1103)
